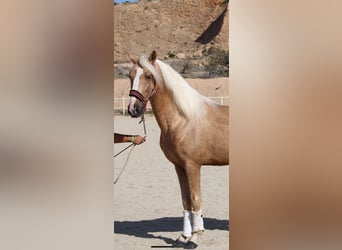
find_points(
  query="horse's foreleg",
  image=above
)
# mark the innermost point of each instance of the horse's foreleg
(184, 185)
(194, 180)
(193, 175)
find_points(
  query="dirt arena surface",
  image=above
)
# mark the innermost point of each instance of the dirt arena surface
(147, 200)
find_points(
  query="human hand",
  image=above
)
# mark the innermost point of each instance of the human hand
(138, 139)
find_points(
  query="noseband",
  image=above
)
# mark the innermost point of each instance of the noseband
(140, 97)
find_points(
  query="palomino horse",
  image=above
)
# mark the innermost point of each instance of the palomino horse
(194, 131)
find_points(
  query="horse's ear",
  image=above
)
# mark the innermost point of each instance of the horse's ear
(153, 57)
(132, 58)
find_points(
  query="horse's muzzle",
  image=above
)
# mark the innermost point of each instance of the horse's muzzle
(136, 111)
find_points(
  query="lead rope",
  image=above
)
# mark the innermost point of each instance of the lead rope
(125, 164)
(143, 121)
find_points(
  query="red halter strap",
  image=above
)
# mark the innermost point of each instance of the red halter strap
(140, 97)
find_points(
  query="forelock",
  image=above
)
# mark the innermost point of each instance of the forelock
(145, 63)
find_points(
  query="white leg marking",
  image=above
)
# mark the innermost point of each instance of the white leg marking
(187, 223)
(197, 222)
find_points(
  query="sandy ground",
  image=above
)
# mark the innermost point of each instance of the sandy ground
(147, 200)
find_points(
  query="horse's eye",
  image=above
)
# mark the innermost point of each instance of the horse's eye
(148, 77)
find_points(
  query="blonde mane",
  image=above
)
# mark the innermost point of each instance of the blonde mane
(191, 103)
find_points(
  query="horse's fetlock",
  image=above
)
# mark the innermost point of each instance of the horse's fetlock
(197, 222)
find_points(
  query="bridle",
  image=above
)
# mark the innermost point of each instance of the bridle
(140, 96)
(144, 100)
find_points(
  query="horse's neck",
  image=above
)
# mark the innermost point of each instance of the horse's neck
(164, 107)
(165, 110)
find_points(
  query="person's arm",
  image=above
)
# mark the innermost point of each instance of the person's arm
(136, 139)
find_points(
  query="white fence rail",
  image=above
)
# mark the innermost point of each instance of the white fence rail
(121, 103)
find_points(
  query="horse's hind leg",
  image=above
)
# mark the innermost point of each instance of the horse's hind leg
(184, 186)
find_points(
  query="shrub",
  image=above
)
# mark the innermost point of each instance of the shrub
(218, 64)
(171, 55)
(186, 67)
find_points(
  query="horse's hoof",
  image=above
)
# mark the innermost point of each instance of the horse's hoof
(181, 241)
(193, 241)
(190, 245)
(197, 232)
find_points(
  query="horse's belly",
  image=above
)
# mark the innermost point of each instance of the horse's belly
(219, 156)
(217, 161)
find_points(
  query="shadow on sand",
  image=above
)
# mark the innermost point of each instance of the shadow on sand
(144, 228)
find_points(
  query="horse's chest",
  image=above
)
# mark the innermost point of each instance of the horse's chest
(172, 148)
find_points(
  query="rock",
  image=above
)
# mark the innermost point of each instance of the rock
(180, 56)
(198, 53)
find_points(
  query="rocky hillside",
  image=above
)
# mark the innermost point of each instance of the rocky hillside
(193, 34)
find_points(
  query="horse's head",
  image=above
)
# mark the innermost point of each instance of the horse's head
(143, 76)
